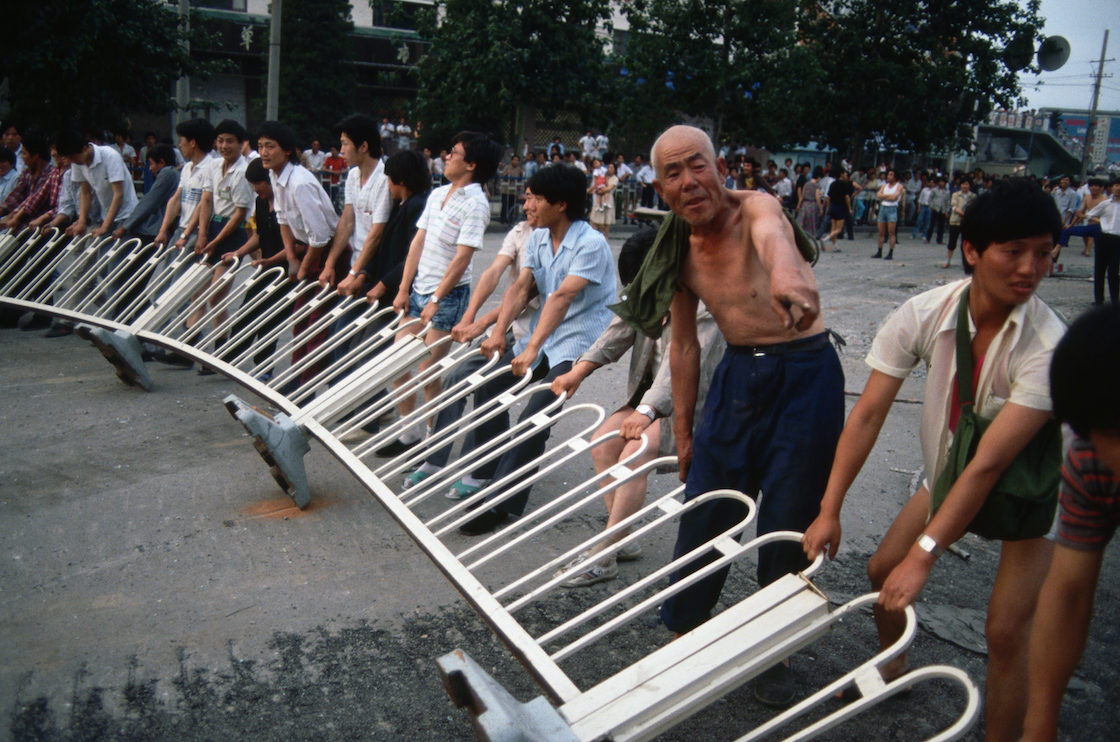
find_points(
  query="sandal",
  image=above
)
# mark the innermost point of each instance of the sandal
(415, 478)
(461, 491)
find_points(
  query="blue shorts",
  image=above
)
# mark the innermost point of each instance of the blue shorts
(451, 307)
(888, 213)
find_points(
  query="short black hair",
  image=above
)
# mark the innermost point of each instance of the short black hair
(1083, 370)
(11, 124)
(197, 130)
(35, 143)
(480, 150)
(408, 168)
(633, 254)
(69, 142)
(558, 183)
(360, 128)
(283, 135)
(256, 172)
(161, 153)
(229, 126)
(1010, 210)
(8, 156)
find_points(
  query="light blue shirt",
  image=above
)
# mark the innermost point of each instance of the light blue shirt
(585, 253)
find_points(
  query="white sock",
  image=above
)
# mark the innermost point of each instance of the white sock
(472, 482)
(413, 434)
(429, 469)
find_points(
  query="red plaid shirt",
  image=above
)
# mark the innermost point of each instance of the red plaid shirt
(35, 195)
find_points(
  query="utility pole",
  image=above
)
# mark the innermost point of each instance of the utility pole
(183, 86)
(272, 106)
(1091, 129)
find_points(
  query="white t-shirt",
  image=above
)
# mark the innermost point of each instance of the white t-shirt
(371, 203)
(105, 168)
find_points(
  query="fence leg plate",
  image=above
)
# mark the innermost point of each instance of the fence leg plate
(496, 715)
(122, 349)
(281, 444)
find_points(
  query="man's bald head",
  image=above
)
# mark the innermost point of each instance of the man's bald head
(676, 136)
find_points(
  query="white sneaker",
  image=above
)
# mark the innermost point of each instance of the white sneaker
(597, 572)
(630, 552)
(572, 564)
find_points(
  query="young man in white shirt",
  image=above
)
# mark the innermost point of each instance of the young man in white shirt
(315, 157)
(367, 204)
(102, 174)
(365, 213)
(1007, 234)
(306, 217)
(435, 286)
(222, 211)
(196, 137)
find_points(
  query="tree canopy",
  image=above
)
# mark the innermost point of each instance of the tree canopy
(84, 63)
(488, 56)
(317, 78)
(913, 75)
(732, 62)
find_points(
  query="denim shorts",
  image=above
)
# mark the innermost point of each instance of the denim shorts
(888, 213)
(451, 307)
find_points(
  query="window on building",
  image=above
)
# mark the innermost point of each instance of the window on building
(392, 14)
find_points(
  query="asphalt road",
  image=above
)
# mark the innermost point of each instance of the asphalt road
(155, 584)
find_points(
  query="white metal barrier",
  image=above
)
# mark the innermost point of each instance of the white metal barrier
(125, 294)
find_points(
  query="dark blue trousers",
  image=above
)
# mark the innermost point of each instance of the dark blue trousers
(770, 423)
(517, 457)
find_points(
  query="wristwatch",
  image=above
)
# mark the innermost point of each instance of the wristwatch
(352, 273)
(647, 410)
(434, 299)
(928, 545)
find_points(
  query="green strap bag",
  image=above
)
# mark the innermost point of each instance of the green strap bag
(1021, 505)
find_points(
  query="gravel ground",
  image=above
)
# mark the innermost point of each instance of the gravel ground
(156, 586)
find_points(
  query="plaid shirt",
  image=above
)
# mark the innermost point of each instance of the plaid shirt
(33, 193)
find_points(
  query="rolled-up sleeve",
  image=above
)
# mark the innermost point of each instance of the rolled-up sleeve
(895, 350)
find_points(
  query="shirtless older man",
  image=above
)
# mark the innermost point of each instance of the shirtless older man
(776, 406)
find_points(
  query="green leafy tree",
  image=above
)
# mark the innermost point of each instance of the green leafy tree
(316, 67)
(912, 74)
(86, 62)
(734, 62)
(489, 57)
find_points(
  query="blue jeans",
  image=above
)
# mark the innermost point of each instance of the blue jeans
(517, 457)
(451, 307)
(922, 225)
(770, 423)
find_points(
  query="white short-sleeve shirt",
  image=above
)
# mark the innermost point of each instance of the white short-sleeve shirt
(105, 168)
(1016, 367)
(371, 203)
(462, 221)
(230, 190)
(514, 247)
